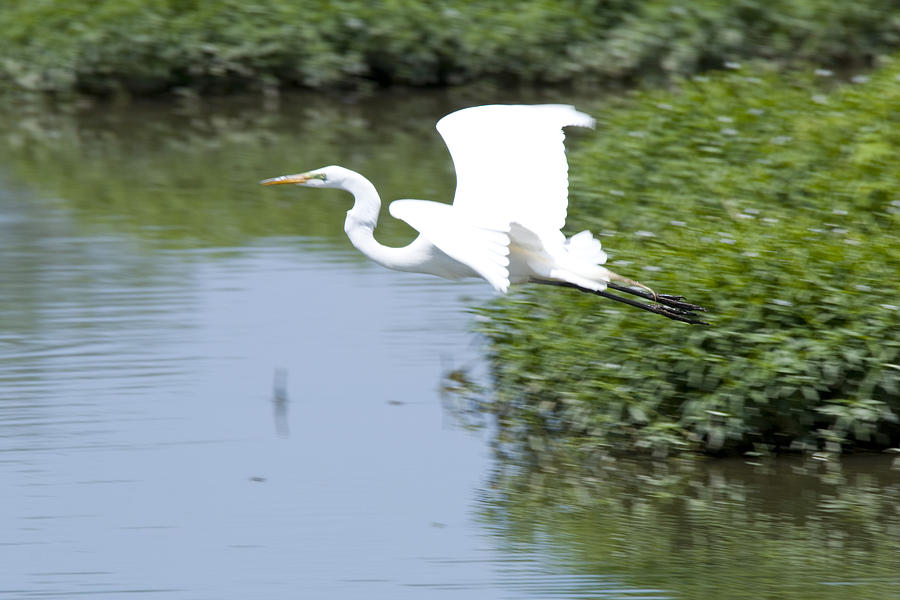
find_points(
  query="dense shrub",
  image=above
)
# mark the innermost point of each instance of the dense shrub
(157, 45)
(774, 201)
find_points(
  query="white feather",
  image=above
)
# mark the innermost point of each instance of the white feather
(510, 204)
(484, 250)
(511, 164)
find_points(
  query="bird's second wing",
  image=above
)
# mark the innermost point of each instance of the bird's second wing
(483, 249)
(510, 162)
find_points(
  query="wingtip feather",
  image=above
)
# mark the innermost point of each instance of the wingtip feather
(568, 115)
(576, 118)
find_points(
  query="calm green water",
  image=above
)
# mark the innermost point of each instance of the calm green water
(206, 393)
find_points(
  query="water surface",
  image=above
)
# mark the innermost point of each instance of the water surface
(205, 392)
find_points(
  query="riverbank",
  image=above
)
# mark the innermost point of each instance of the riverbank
(137, 47)
(772, 200)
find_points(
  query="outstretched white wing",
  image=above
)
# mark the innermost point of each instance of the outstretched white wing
(511, 164)
(483, 249)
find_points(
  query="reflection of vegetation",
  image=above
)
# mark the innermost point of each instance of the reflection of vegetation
(789, 529)
(189, 174)
(192, 176)
(154, 45)
(773, 202)
(72, 304)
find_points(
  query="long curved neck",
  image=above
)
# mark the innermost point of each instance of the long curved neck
(360, 224)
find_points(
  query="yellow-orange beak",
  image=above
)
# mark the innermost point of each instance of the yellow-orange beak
(298, 178)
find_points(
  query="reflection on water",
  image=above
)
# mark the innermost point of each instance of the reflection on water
(280, 403)
(158, 311)
(189, 175)
(206, 393)
(136, 441)
(791, 528)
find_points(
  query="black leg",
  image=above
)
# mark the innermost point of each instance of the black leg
(668, 306)
(671, 301)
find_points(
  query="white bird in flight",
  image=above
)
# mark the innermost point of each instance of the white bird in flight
(506, 218)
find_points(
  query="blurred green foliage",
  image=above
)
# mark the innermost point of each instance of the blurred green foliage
(692, 529)
(772, 200)
(188, 175)
(147, 46)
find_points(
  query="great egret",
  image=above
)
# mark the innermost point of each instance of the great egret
(505, 221)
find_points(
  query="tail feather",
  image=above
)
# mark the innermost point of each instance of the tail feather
(588, 283)
(583, 247)
(577, 260)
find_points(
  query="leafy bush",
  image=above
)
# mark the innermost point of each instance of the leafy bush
(147, 46)
(773, 201)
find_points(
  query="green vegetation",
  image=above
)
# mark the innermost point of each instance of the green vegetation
(771, 199)
(149, 46)
(187, 176)
(775, 202)
(788, 529)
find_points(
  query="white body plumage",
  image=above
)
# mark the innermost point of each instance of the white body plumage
(510, 204)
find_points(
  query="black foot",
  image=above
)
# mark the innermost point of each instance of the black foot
(671, 307)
